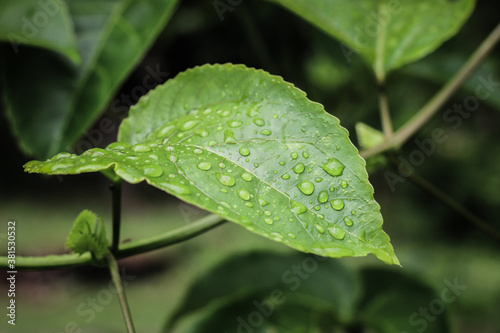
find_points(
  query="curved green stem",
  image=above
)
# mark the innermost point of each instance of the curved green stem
(125, 250)
(117, 281)
(178, 235)
(385, 115)
(429, 109)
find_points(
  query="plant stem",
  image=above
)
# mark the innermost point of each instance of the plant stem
(128, 249)
(457, 207)
(117, 281)
(385, 115)
(178, 235)
(434, 104)
(116, 189)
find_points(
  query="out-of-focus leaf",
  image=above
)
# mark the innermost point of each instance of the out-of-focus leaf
(51, 102)
(281, 285)
(38, 23)
(88, 234)
(395, 302)
(387, 34)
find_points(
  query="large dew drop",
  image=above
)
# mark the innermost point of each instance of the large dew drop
(229, 137)
(204, 166)
(244, 151)
(348, 222)
(265, 132)
(226, 179)
(243, 194)
(323, 197)
(189, 125)
(153, 170)
(259, 122)
(299, 168)
(246, 177)
(297, 207)
(306, 187)
(262, 201)
(333, 167)
(337, 232)
(235, 124)
(141, 148)
(337, 204)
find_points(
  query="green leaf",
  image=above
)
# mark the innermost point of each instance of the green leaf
(88, 234)
(254, 314)
(44, 24)
(396, 302)
(252, 148)
(368, 136)
(292, 291)
(327, 282)
(112, 36)
(386, 33)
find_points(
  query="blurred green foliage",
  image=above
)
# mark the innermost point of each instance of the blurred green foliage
(432, 241)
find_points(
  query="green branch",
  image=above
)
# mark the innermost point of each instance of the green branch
(385, 115)
(117, 281)
(116, 189)
(125, 250)
(433, 106)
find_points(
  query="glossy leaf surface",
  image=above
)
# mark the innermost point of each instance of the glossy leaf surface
(252, 148)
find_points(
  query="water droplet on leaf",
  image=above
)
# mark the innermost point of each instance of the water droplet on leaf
(190, 124)
(235, 124)
(265, 132)
(323, 197)
(246, 176)
(259, 122)
(297, 207)
(244, 151)
(204, 166)
(262, 201)
(299, 168)
(294, 155)
(226, 179)
(320, 229)
(306, 187)
(337, 204)
(153, 170)
(333, 167)
(337, 232)
(141, 148)
(348, 222)
(243, 194)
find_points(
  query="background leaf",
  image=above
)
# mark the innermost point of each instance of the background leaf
(88, 234)
(396, 302)
(292, 292)
(261, 155)
(111, 36)
(387, 34)
(45, 24)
